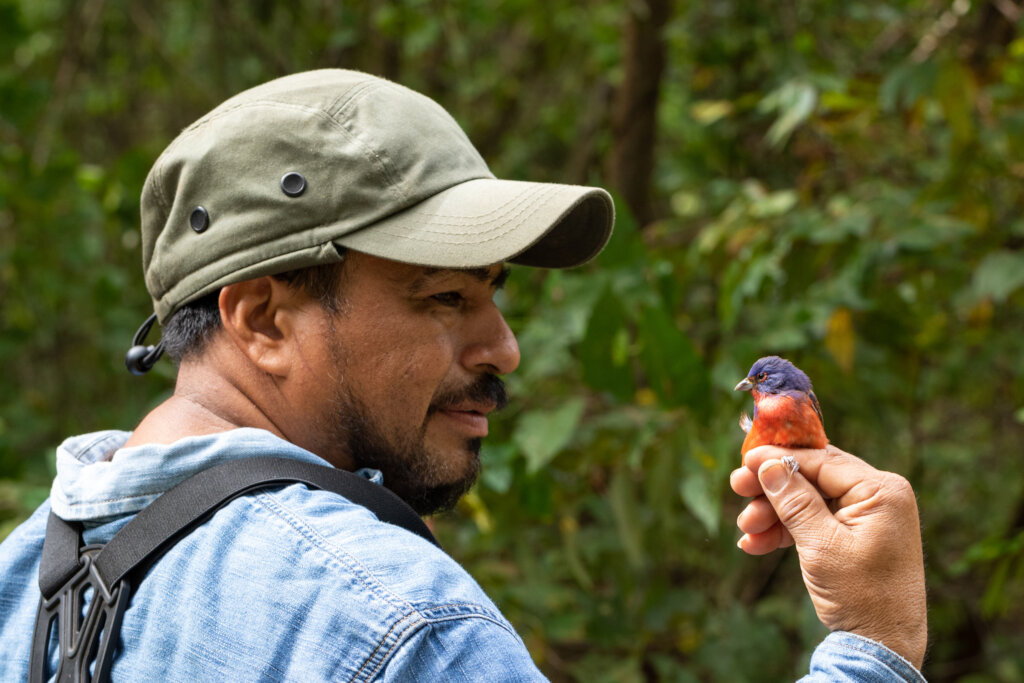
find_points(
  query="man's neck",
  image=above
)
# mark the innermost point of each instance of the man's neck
(203, 403)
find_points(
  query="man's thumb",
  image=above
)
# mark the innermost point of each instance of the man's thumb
(800, 507)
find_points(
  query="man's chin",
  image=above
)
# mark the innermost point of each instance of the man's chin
(426, 496)
(432, 500)
(438, 499)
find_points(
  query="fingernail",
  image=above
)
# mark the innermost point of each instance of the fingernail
(775, 477)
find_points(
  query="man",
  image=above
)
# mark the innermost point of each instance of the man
(322, 252)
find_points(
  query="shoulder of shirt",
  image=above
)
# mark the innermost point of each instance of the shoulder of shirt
(386, 558)
(392, 581)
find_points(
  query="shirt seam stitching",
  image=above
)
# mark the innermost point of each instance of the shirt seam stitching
(424, 621)
(295, 520)
(377, 653)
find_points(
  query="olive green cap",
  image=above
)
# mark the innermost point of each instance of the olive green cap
(281, 176)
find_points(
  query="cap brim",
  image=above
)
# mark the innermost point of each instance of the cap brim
(484, 221)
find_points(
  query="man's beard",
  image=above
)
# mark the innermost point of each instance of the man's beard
(428, 482)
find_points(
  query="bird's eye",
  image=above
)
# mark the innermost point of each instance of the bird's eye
(761, 377)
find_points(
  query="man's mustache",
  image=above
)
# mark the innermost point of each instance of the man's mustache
(485, 389)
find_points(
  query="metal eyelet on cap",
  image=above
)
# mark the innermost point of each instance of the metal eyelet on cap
(293, 183)
(199, 219)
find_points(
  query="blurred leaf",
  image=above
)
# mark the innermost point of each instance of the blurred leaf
(702, 500)
(998, 275)
(930, 231)
(840, 338)
(601, 668)
(707, 112)
(627, 520)
(497, 470)
(793, 102)
(674, 369)
(570, 536)
(773, 204)
(541, 434)
(906, 84)
(478, 511)
(601, 353)
(954, 88)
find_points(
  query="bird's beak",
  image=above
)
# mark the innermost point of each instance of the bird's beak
(746, 385)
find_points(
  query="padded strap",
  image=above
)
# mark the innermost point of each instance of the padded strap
(174, 514)
(60, 554)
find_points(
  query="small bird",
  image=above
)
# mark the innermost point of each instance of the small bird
(786, 411)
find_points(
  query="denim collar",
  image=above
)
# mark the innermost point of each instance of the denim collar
(98, 479)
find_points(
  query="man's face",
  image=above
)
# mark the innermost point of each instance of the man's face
(407, 375)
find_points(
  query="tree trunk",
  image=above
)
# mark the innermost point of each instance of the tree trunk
(634, 113)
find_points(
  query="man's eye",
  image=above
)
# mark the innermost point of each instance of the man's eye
(452, 299)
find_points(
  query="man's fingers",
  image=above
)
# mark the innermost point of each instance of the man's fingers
(773, 538)
(799, 505)
(745, 483)
(757, 517)
(836, 473)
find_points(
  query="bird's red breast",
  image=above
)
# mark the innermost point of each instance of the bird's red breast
(791, 420)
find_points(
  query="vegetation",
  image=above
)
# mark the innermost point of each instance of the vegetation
(838, 183)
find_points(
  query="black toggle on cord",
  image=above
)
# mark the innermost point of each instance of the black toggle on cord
(140, 359)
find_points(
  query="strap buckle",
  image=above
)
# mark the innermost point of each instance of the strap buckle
(81, 639)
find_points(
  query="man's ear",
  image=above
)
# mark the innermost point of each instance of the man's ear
(259, 316)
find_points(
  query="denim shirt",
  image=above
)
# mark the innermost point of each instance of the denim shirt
(290, 583)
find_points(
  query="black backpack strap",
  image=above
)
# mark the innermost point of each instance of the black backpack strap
(67, 570)
(176, 512)
(60, 554)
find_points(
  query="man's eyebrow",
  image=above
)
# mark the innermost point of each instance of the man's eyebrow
(481, 274)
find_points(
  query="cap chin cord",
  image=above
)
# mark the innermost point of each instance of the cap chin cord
(140, 359)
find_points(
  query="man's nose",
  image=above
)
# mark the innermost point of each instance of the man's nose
(490, 347)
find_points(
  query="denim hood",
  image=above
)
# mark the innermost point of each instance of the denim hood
(97, 479)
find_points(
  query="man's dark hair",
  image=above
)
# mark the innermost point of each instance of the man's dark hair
(188, 331)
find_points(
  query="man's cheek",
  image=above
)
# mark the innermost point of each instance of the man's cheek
(426, 378)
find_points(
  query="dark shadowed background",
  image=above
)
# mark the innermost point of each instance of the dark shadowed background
(838, 183)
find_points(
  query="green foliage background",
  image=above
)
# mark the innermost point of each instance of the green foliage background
(838, 183)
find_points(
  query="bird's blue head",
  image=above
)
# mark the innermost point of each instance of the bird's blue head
(774, 375)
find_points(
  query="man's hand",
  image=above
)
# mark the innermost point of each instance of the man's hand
(860, 550)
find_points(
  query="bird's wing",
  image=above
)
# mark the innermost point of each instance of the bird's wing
(817, 407)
